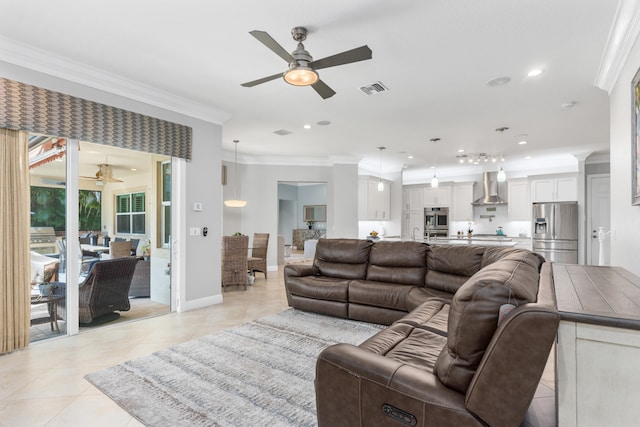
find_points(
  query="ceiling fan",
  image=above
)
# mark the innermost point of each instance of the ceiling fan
(104, 174)
(302, 68)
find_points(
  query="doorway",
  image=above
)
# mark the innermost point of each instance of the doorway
(130, 201)
(598, 215)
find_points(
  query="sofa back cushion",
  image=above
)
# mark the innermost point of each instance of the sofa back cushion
(449, 266)
(342, 258)
(398, 262)
(473, 316)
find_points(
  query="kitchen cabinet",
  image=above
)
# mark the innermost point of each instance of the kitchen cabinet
(462, 209)
(412, 198)
(439, 197)
(413, 225)
(519, 206)
(373, 205)
(554, 189)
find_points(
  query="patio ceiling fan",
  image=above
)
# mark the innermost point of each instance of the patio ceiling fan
(302, 68)
(104, 174)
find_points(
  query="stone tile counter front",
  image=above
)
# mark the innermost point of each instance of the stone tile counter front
(598, 345)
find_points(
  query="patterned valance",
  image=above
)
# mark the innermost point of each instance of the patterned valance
(34, 109)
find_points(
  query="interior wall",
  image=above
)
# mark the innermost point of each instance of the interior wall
(260, 189)
(625, 218)
(315, 194)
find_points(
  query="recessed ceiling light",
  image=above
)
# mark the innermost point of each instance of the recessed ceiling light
(307, 126)
(535, 72)
(568, 105)
(409, 156)
(133, 169)
(461, 150)
(528, 158)
(500, 81)
(522, 142)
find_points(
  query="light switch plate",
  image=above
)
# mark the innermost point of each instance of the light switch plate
(194, 231)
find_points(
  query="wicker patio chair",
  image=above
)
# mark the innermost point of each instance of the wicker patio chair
(119, 249)
(105, 290)
(234, 261)
(258, 259)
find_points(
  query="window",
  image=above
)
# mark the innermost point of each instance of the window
(130, 213)
(165, 209)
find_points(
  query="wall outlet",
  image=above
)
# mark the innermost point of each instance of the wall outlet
(194, 231)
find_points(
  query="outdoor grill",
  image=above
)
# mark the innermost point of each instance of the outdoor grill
(43, 240)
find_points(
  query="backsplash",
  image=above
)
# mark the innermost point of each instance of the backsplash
(487, 219)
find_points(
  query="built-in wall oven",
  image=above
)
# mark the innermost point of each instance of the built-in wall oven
(436, 222)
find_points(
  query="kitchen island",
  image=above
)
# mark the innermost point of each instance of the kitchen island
(479, 241)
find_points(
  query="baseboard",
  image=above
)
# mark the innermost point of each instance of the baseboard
(272, 268)
(201, 303)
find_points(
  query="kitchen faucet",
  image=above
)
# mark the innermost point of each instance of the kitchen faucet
(413, 232)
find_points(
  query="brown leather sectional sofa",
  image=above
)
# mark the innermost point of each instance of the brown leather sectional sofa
(445, 359)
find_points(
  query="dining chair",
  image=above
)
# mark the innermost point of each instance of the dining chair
(258, 259)
(119, 249)
(234, 261)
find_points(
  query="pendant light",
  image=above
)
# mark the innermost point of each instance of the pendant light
(235, 202)
(502, 176)
(380, 183)
(434, 180)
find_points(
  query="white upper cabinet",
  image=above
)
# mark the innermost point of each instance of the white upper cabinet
(412, 199)
(554, 189)
(519, 207)
(373, 205)
(462, 209)
(440, 196)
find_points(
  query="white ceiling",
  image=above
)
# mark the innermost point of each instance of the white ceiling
(435, 56)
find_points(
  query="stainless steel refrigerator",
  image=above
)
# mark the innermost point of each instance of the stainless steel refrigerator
(555, 231)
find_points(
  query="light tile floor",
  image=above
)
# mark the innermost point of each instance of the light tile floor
(43, 385)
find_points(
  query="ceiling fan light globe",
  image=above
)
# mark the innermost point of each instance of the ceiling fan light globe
(300, 76)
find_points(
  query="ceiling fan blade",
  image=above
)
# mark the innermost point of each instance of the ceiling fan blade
(264, 38)
(323, 90)
(354, 55)
(262, 80)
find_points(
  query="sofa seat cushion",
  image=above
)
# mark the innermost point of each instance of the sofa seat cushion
(418, 295)
(398, 262)
(342, 258)
(432, 315)
(473, 317)
(379, 294)
(319, 287)
(416, 339)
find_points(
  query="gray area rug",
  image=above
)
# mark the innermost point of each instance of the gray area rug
(257, 374)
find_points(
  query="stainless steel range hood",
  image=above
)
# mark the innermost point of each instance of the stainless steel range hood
(493, 192)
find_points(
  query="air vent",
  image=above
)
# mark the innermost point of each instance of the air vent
(374, 88)
(282, 132)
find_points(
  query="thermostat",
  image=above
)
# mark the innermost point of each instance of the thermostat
(197, 207)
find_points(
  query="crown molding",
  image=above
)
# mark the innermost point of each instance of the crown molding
(23, 55)
(622, 36)
(244, 159)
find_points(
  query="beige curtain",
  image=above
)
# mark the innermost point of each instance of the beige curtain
(15, 308)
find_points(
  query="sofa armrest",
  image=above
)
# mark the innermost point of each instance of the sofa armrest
(299, 270)
(353, 386)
